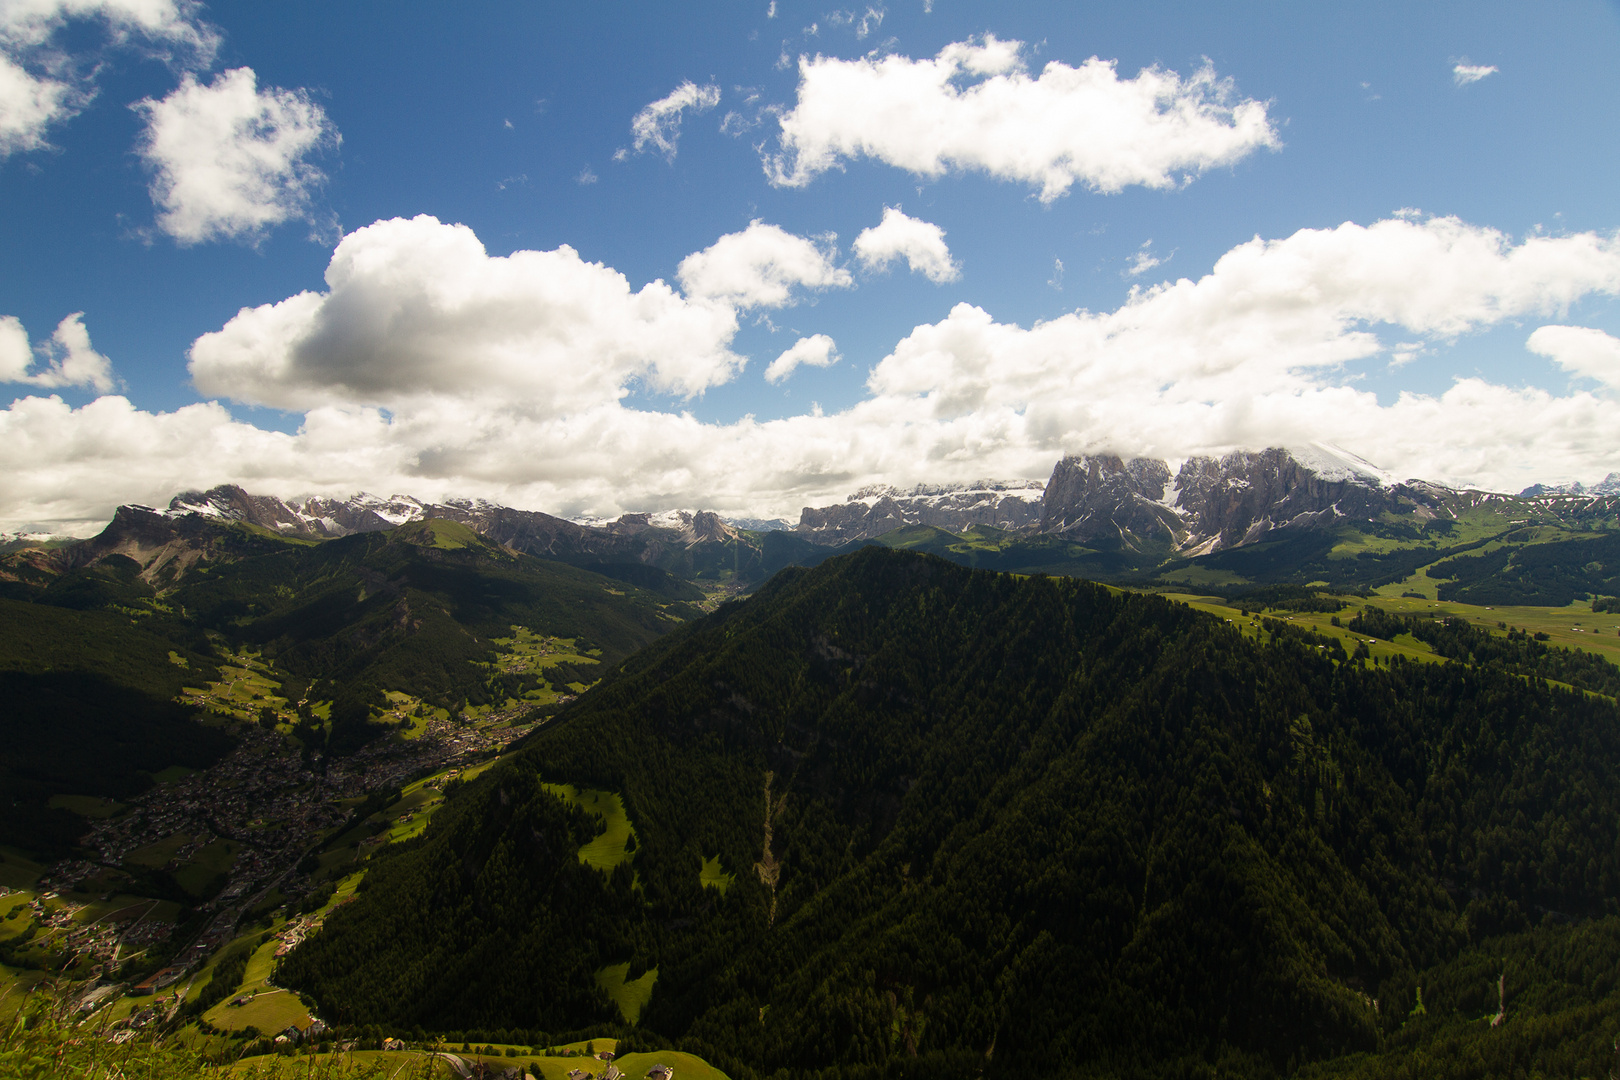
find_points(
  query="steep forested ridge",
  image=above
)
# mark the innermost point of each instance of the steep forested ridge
(1012, 824)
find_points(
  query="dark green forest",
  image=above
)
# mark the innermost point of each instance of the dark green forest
(982, 824)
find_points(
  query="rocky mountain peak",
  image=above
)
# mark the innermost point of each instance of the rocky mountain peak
(708, 526)
(1239, 498)
(1096, 496)
(228, 502)
(1609, 485)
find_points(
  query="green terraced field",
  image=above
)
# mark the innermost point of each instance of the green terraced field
(270, 1011)
(245, 685)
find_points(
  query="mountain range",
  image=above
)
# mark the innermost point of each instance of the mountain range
(1247, 519)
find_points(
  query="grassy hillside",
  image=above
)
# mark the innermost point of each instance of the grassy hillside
(981, 823)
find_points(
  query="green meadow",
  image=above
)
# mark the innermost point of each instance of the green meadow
(630, 995)
(1573, 627)
(712, 876)
(246, 684)
(607, 850)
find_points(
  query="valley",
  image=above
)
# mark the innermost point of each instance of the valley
(285, 791)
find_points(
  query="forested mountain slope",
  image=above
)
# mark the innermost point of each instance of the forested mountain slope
(410, 609)
(979, 823)
(93, 657)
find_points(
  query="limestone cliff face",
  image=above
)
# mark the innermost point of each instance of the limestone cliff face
(873, 511)
(1103, 497)
(1209, 504)
(1219, 502)
(1240, 498)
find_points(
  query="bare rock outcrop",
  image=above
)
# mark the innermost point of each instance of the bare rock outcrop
(1102, 496)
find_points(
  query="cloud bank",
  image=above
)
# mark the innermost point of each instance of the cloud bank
(974, 107)
(760, 266)
(430, 367)
(1580, 350)
(69, 358)
(416, 311)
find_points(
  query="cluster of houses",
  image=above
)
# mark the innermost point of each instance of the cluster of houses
(76, 939)
(294, 933)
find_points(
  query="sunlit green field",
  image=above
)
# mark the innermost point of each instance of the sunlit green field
(1572, 627)
(607, 850)
(629, 995)
(524, 652)
(245, 685)
(714, 876)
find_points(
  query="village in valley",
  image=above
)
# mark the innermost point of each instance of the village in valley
(247, 856)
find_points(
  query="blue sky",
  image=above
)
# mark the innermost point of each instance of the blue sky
(1462, 326)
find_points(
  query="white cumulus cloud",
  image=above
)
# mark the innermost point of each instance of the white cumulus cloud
(417, 308)
(659, 124)
(15, 355)
(70, 360)
(228, 160)
(41, 83)
(920, 243)
(817, 350)
(1580, 349)
(974, 107)
(759, 267)
(1464, 73)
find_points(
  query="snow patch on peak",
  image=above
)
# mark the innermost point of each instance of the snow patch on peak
(396, 509)
(1334, 463)
(670, 519)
